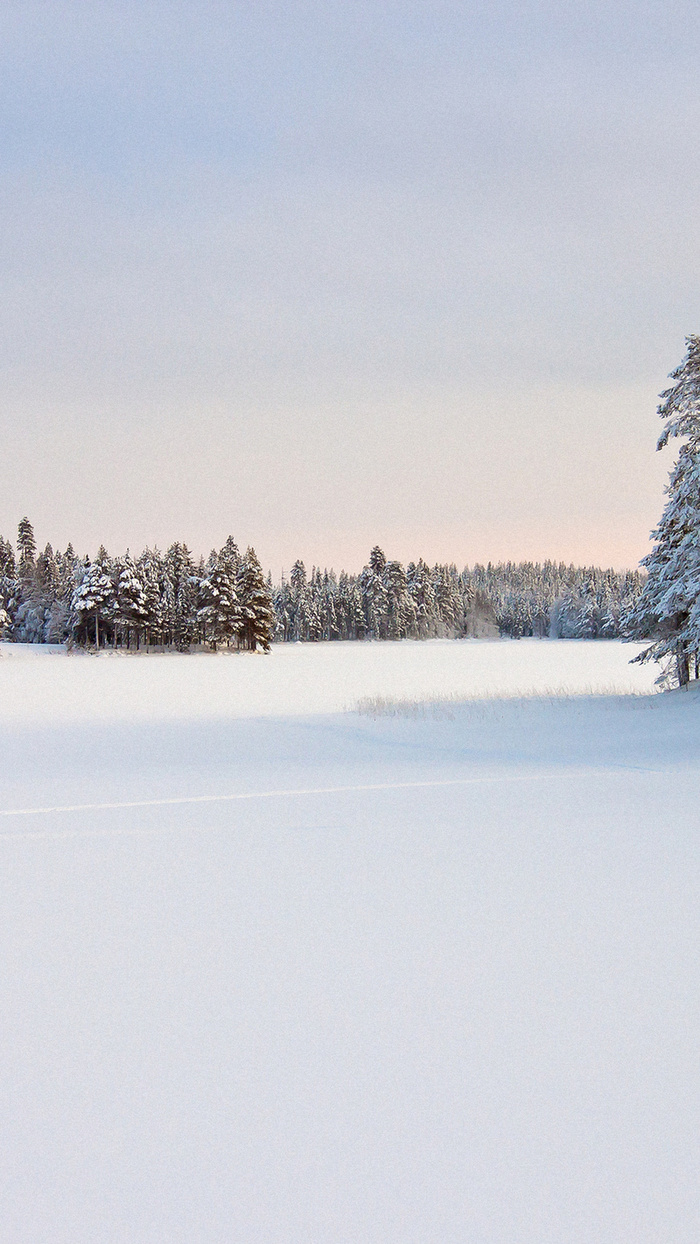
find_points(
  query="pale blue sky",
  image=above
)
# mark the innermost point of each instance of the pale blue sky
(323, 275)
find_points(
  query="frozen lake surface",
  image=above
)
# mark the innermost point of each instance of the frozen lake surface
(285, 972)
(300, 679)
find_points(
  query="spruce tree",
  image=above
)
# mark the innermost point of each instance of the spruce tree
(374, 594)
(129, 603)
(219, 609)
(668, 610)
(257, 613)
(230, 558)
(400, 609)
(150, 570)
(179, 596)
(7, 559)
(92, 600)
(26, 544)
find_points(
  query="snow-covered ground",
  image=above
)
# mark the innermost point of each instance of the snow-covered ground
(275, 971)
(301, 679)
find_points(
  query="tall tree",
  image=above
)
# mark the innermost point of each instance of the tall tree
(180, 595)
(219, 609)
(257, 613)
(7, 559)
(374, 594)
(26, 544)
(129, 606)
(150, 570)
(93, 599)
(668, 610)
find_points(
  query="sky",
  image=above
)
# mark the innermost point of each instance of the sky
(326, 275)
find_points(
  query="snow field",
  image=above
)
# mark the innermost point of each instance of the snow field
(300, 679)
(454, 998)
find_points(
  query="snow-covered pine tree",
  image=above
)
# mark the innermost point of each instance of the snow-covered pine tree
(47, 575)
(38, 587)
(57, 625)
(421, 589)
(331, 622)
(298, 577)
(374, 594)
(218, 610)
(26, 546)
(357, 619)
(257, 613)
(7, 559)
(400, 609)
(668, 610)
(305, 604)
(179, 596)
(295, 602)
(129, 608)
(230, 562)
(92, 600)
(444, 591)
(230, 557)
(7, 575)
(150, 570)
(284, 610)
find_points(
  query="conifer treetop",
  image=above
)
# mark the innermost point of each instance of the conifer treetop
(680, 405)
(26, 543)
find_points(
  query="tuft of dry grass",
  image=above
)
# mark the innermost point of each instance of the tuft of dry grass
(446, 707)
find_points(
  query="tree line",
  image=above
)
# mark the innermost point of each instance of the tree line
(170, 600)
(163, 599)
(388, 601)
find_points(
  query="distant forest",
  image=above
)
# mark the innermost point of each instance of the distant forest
(388, 601)
(172, 600)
